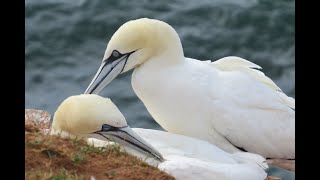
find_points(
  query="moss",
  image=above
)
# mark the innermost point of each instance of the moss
(56, 158)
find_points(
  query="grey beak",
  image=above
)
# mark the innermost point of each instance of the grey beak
(127, 137)
(109, 69)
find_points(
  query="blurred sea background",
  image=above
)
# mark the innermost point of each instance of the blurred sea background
(65, 42)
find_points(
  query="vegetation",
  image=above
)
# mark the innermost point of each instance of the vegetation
(56, 158)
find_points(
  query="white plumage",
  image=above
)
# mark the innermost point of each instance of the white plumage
(228, 102)
(222, 102)
(188, 158)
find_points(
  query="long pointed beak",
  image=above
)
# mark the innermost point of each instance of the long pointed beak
(109, 69)
(127, 137)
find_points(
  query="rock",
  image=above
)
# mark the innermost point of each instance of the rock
(282, 163)
(272, 178)
(37, 118)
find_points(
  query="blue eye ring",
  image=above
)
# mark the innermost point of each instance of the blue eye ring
(115, 54)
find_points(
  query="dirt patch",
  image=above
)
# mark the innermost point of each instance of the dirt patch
(56, 158)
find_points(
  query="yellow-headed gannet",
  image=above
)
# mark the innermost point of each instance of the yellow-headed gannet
(228, 102)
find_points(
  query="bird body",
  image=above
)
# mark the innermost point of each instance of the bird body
(190, 158)
(230, 108)
(227, 102)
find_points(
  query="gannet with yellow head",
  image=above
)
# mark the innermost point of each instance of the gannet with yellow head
(92, 116)
(228, 102)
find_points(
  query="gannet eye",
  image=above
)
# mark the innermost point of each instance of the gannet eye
(115, 54)
(106, 127)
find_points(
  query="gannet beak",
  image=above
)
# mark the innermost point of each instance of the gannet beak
(126, 136)
(108, 70)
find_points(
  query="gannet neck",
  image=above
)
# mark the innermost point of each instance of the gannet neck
(59, 132)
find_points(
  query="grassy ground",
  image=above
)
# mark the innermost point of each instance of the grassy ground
(56, 158)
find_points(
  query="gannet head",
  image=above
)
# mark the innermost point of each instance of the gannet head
(134, 43)
(93, 116)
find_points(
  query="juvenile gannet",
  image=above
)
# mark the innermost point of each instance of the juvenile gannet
(183, 157)
(228, 102)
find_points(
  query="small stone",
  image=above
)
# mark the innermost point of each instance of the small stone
(282, 163)
(38, 118)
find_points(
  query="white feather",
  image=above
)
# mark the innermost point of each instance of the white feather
(188, 158)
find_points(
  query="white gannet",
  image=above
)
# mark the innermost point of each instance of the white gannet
(91, 116)
(96, 117)
(228, 102)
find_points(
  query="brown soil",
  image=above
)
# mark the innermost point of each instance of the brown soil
(56, 158)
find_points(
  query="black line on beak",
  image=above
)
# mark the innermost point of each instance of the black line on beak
(136, 145)
(107, 63)
(115, 56)
(108, 128)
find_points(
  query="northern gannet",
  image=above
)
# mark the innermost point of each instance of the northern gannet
(227, 102)
(91, 116)
(98, 119)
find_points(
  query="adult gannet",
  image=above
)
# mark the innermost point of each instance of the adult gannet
(183, 157)
(96, 117)
(228, 102)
